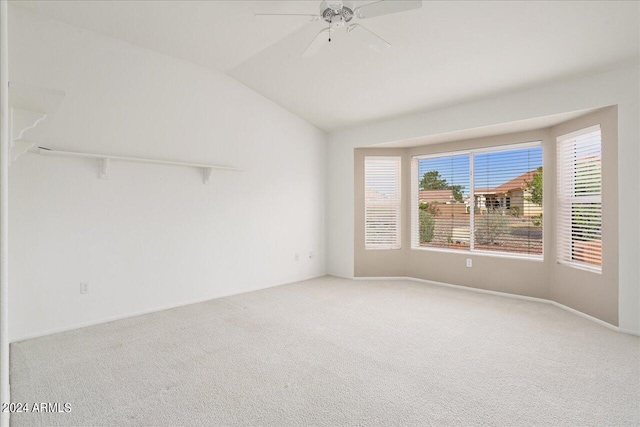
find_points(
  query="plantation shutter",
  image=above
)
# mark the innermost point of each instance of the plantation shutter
(382, 202)
(580, 199)
(508, 199)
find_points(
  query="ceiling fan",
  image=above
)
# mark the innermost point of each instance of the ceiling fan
(338, 13)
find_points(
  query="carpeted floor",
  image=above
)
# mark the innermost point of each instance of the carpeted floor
(333, 352)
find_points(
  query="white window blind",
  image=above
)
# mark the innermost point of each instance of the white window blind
(580, 199)
(480, 200)
(382, 202)
(440, 215)
(508, 200)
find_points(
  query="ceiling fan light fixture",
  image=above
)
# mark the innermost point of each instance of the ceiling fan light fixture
(337, 13)
(337, 22)
(334, 5)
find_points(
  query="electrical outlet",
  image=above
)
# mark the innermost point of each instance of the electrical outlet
(312, 255)
(84, 288)
(469, 263)
(297, 257)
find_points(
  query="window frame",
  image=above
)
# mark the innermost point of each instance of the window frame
(470, 152)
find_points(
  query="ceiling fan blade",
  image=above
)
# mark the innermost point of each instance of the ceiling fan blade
(319, 41)
(386, 7)
(374, 41)
(277, 15)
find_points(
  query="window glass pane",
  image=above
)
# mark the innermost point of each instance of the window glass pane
(586, 224)
(443, 197)
(508, 201)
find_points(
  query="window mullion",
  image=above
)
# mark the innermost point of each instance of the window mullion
(472, 203)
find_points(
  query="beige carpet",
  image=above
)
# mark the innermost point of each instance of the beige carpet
(333, 352)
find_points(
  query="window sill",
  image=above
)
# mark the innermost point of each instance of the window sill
(537, 258)
(577, 266)
(383, 249)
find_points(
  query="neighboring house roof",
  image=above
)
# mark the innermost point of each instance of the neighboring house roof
(441, 196)
(519, 183)
(484, 191)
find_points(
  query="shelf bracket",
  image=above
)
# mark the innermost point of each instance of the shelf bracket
(206, 175)
(21, 121)
(29, 106)
(19, 148)
(104, 168)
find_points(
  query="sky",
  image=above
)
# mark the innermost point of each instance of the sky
(490, 169)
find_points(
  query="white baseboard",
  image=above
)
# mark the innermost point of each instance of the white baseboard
(339, 276)
(388, 278)
(629, 331)
(142, 312)
(432, 282)
(586, 316)
(105, 320)
(508, 295)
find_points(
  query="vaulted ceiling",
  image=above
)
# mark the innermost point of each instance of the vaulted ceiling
(441, 54)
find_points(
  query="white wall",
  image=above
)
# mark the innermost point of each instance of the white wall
(152, 236)
(619, 87)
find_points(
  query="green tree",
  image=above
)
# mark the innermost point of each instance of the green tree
(457, 192)
(433, 181)
(432, 208)
(427, 226)
(534, 188)
(428, 213)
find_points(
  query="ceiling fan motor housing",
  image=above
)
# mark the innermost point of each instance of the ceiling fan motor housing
(336, 12)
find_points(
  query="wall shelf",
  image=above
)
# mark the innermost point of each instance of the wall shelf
(29, 106)
(106, 159)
